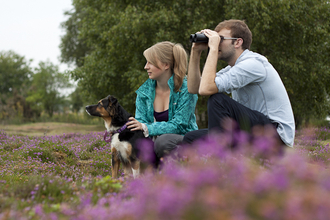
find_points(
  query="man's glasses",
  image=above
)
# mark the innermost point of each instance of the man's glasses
(226, 38)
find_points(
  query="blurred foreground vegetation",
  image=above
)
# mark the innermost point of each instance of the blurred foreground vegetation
(68, 176)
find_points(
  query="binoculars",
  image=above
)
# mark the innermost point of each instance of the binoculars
(198, 38)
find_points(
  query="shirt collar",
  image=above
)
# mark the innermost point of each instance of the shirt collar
(242, 55)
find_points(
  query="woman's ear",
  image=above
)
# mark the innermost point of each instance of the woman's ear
(167, 66)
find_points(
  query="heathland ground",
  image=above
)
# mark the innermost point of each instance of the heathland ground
(63, 171)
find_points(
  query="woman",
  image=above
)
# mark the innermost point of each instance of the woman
(164, 107)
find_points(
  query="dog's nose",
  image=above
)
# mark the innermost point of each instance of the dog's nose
(87, 109)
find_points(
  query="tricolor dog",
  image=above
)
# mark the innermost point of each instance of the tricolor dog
(122, 140)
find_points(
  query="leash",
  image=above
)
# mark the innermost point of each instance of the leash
(112, 133)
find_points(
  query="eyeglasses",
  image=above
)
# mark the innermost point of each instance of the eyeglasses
(226, 38)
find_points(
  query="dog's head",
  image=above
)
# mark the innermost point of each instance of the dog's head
(104, 108)
(111, 111)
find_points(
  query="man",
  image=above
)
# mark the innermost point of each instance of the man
(258, 94)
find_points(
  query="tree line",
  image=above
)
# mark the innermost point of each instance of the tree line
(26, 92)
(105, 39)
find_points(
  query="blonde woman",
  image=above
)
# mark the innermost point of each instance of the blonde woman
(164, 107)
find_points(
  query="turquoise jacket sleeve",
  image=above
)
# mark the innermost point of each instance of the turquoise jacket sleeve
(141, 110)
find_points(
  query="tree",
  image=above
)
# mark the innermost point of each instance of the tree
(73, 47)
(76, 99)
(292, 34)
(44, 92)
(119, 32)
(15, 72)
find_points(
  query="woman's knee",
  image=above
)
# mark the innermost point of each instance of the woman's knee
(159, 144)
(165, 143)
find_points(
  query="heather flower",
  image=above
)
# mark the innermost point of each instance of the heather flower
(229, 175)
(146, 151)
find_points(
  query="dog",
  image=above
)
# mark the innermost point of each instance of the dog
(123, 141)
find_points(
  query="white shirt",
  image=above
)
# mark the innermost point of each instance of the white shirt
(255, 83)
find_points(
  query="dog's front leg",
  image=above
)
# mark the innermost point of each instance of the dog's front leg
(115, 162)
(136, 168)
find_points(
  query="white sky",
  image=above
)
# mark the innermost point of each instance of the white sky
(31, 28)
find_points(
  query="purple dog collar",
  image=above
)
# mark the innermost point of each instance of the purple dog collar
(112, 133)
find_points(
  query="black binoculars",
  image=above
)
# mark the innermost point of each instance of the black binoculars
(198, 38)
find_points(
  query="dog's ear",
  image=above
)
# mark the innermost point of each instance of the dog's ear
(112, 105)
(112, 100)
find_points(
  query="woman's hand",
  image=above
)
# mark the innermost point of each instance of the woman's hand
(134, 124)
(199, 47)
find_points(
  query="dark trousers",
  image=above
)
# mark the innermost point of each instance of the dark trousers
(166, 143)
(221, 107)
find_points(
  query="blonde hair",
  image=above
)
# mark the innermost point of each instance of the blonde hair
(172, 54)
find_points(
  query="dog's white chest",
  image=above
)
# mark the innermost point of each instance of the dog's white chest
(120, 146)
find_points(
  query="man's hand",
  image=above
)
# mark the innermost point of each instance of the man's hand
(214, 38)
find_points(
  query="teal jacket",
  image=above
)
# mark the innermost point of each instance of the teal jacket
(181, 112)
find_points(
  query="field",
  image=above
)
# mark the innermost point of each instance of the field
(62, 171)
(50, 128)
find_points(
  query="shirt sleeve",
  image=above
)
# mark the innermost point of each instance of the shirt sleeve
(240, 75)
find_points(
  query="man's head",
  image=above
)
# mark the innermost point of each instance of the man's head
(238, 29)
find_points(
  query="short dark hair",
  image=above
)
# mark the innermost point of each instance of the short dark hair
(238, 29)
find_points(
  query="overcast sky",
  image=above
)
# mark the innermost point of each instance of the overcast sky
(31, 28)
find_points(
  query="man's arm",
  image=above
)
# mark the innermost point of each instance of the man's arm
(207, 84)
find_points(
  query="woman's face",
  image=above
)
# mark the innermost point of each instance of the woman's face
(155, 72)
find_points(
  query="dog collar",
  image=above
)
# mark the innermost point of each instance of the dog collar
(112, 133)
